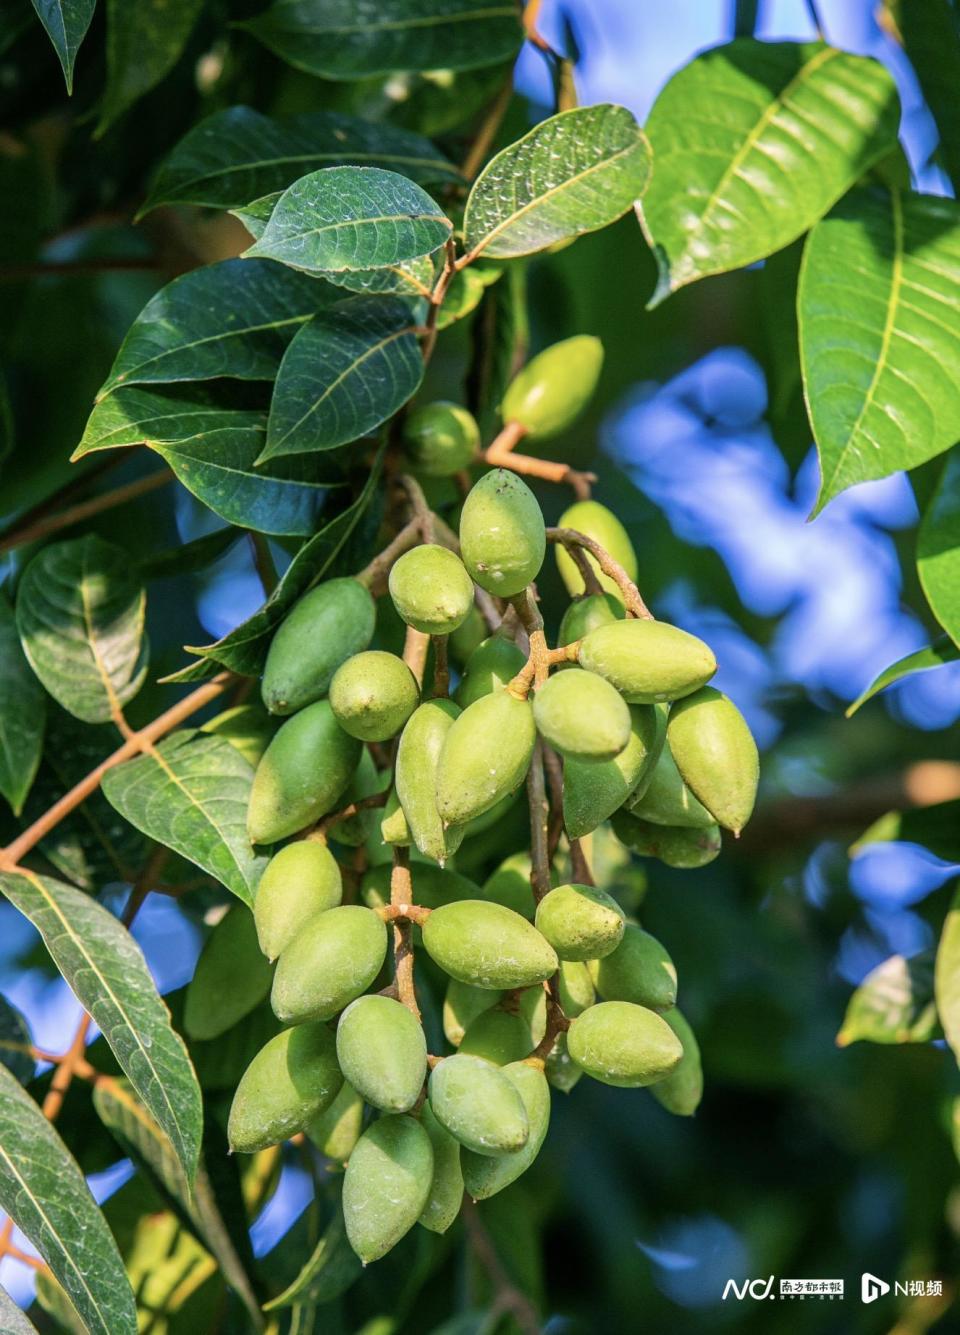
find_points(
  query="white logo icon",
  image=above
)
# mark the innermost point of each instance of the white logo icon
(872, 1288)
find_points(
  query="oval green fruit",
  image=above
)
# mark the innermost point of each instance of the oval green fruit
(483, 1175)
(461, 1005)
(493, 664)
(441, 438)
(336, 1130)
(382, 1052)
(468, 636)
(676, 845)
(334, 958)
(230, 979)
(587, 614)
(553, 389)
(393, 827)
(432, 886)
(300, 881)
(304, 770)
(582, 716)
(639, 970)
(648, 661)
(431, 589)
(595, 521)
(373, 694)
(290, 1080)
(575, 987)
(716, 756)
(581, 922)
(625, 1045)
(386, 1185)
(325, 628)
(682, 1090)
(561, 1070)
(478, 1105)
(511, 886)
(499, 1036)
(484, 757)
(666, 799)
(593, 791)
(418, 756)
(503, 538)
(487, 945)
(446, 1189)
(248, 728)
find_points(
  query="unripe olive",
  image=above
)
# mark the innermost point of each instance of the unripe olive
(593, 791)
(336, 1130)
(498, 1036)
(373, 694)
(393, 827)
(382, 1051)
(304, 770)
(468, 636)
(624, 1045)
(299, 881)
(290, 1080)
(582, 716)
(485, 756)
(230, 979)
(493, 664)
(415, 775)
(716, 756)
(502, 534)
(461, 1005)
(510, 885)
(595, 521)
(431, 589)
(666, 799)
(488, 945)
(561, 1070)
(677, 846)
(432, 886)
(446, 1189)
(248, 728)
(366, 782)
(639, 970)
(587, 614)
(682, 1090)
(648, 661)
(478, 1104)
(334, 958)
(581, 922)
(575, 987)
(386, 1185)
(483, 1175)
(441, 438)
(325, 628)
(553, 389)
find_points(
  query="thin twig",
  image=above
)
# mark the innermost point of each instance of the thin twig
(415, 650)
(401, 896)
(437, 298)
(631, 594)
(19, 537)
(485, 136)
(374, 575)
(579, 866)
(263, 562)
(501, 453)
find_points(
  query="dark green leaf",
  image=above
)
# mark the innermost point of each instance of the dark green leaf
(80, 613)
(879, 311)
(938, 549)
(66, 22)
(330, 1270)
(256, 214)
(947, 976)
(933, 656)
(144, 42)
(15, 1043)
(893, 1004)
(930, 37)
(413, 278)
(23, 709)
(753, 142)
(12, 1319)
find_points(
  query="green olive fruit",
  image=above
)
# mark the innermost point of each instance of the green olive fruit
(716, 756)
(393, 827)
(325, 628)
(682, 1090)
(676, 845)
(299, 881)
(561, 1070)
(510, 885)
(483, 1175)
(582, 716)
(478, 1104)
(441, 438)
(304, 771)
(432, 886)
(446, 1189)
(382, 1052)
(431, 589)
(553, 389)
(625, 1045)
(493, 664)
(639, 970)
(587, 614)
(581, 922)
(575, 987)
(418, 757)
(230, 979)
(502, 534)
(648, 661)
(373, 694)
(488, 945)
(290, 1080)
(367, 782)
(248, 728)
(593, 791)
(461, 1005)
(386, 1185)
(498, 1036)
(485, 756)
(468, 636)
(331, 960)
(336, 1130)
(595, 521)
(666, 799)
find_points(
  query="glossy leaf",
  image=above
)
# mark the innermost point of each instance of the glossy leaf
(753, 142)
(947, 976)
(12, 1320)
(344, 39)
(412, 278)
(879, 311)
(239, 155)
(23, 708)
(893, 1004)
(344, 374)
(574, 173)
(922, 660)
(144, 42)
(80, 614)
(43, 1191)
(938, 548)
(190, 793)
(66, 22)
(15, 1043)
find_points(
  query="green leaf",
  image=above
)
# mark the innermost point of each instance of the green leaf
(893, 1004)
(256, 214)
(753, 142)
(330, 1270)
(239, 155)
(344, 374)
(922, 660)
(938, 548)
(43, 1191)
(12, 1319)
(412, 278)
(574, 173)
(230, 319)
(339, 40)
(947, 976)
(15, 1043)
(351, 218)
(465, 293)
(66, 22)
(23, 711)
(106, 970)
(80, 614)
(144, 42)
(879, 311)
(190, 793)
(930, 37)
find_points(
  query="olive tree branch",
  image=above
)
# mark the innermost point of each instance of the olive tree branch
(401, 899)
(501, 454)
(557, 1022)
(570, 538)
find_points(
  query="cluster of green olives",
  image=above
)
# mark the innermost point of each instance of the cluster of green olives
(520, 991)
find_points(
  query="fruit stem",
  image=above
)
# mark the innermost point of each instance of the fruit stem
(401, 897)
(591, 585)
(570, 538)
(579, 866)
(526, 609)
(500, 454)
(441, 667)
(373, 576)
